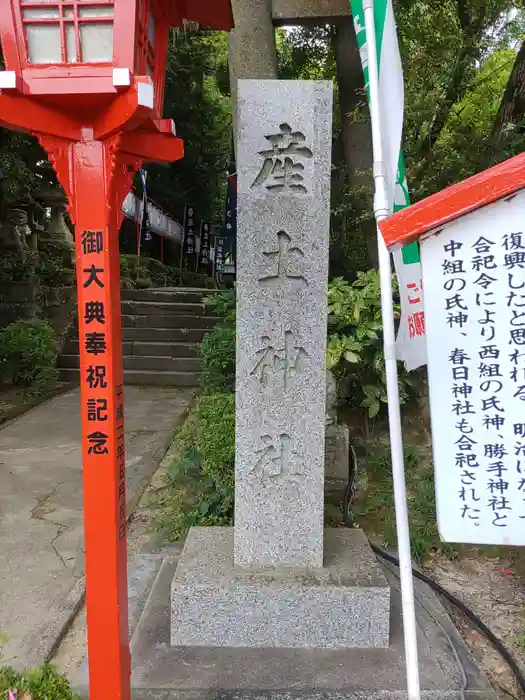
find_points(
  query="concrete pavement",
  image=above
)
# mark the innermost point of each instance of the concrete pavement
(41, 533)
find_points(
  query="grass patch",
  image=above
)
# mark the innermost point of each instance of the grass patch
(374, 509)
(199, 482)
(519, 641)
(44, 683)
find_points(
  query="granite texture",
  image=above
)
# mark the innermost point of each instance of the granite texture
(251, 47)
(283, 163)
(163, 672)
(344, 604)
(308, 11)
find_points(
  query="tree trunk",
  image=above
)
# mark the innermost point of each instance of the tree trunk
(512, 107)
(473, 25)
(357, 137)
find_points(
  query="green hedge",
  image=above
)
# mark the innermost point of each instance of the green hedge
(149, 272)
(199, 486)
(28, 355)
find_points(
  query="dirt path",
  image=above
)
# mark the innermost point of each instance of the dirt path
(496, 594)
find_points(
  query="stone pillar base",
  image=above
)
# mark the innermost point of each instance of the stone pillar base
(346, 604)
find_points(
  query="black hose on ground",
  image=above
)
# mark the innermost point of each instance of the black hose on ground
(505, 654)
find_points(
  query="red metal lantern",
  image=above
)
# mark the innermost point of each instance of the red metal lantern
(87, 78)
(90, 48)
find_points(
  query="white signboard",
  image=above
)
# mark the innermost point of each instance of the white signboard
(474, 280)
(411, 341)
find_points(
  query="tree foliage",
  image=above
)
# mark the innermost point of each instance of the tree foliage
(198, 102)
(464, 70)
(464, 101)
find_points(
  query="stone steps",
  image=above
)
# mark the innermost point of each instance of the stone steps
(145, 363)
(143, 378)
(161, 332)
(148, 349)
(163, 335)
(168, 294)
(169, 320)
(161, 308)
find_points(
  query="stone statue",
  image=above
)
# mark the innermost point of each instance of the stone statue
(57, 238)
(14, 233)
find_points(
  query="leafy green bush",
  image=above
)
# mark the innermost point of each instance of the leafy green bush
(52, 270)
(44, 683)
(125, 268)
(200, 480)
(217, 353)
(149, 272)
(374, 509)
(12, 269)
(222, 304)
(196, 279)
(28, 355)
(217, 350)
(355, 345)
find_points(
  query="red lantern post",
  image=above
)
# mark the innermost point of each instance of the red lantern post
(86, 77)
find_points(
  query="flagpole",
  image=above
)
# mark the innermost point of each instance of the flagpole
(382, 209)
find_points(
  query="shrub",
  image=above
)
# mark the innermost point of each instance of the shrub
(13, 269)
(200, 480)
(217, 353)
(355, 345)
(222, 304)
(196, 279)
(217, 350)
(44, 683)
(125, 269)
(148, 272)
(28, 355)
(53, 271)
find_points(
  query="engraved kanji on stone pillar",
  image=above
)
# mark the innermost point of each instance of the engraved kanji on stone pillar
(283, 164)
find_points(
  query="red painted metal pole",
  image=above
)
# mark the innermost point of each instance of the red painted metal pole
(102, 412)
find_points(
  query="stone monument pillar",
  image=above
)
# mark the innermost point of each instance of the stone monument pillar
(277, 581)
(283, 217)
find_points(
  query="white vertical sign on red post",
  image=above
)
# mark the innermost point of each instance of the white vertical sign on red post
(474, 277)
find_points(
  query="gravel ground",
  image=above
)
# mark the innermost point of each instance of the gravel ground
(497, 595)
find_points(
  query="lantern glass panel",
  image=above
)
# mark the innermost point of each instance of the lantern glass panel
(43, 43)
(96, 38)
(41, 13)
(71, 44)
(95, 12)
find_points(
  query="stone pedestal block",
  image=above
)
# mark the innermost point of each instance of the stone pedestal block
(345, 604)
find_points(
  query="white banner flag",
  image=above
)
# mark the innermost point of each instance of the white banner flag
(411, 338)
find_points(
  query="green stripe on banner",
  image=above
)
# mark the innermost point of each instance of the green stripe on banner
(379, 17)
(410, 253)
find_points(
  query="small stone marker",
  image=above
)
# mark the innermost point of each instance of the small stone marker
(284, 161)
